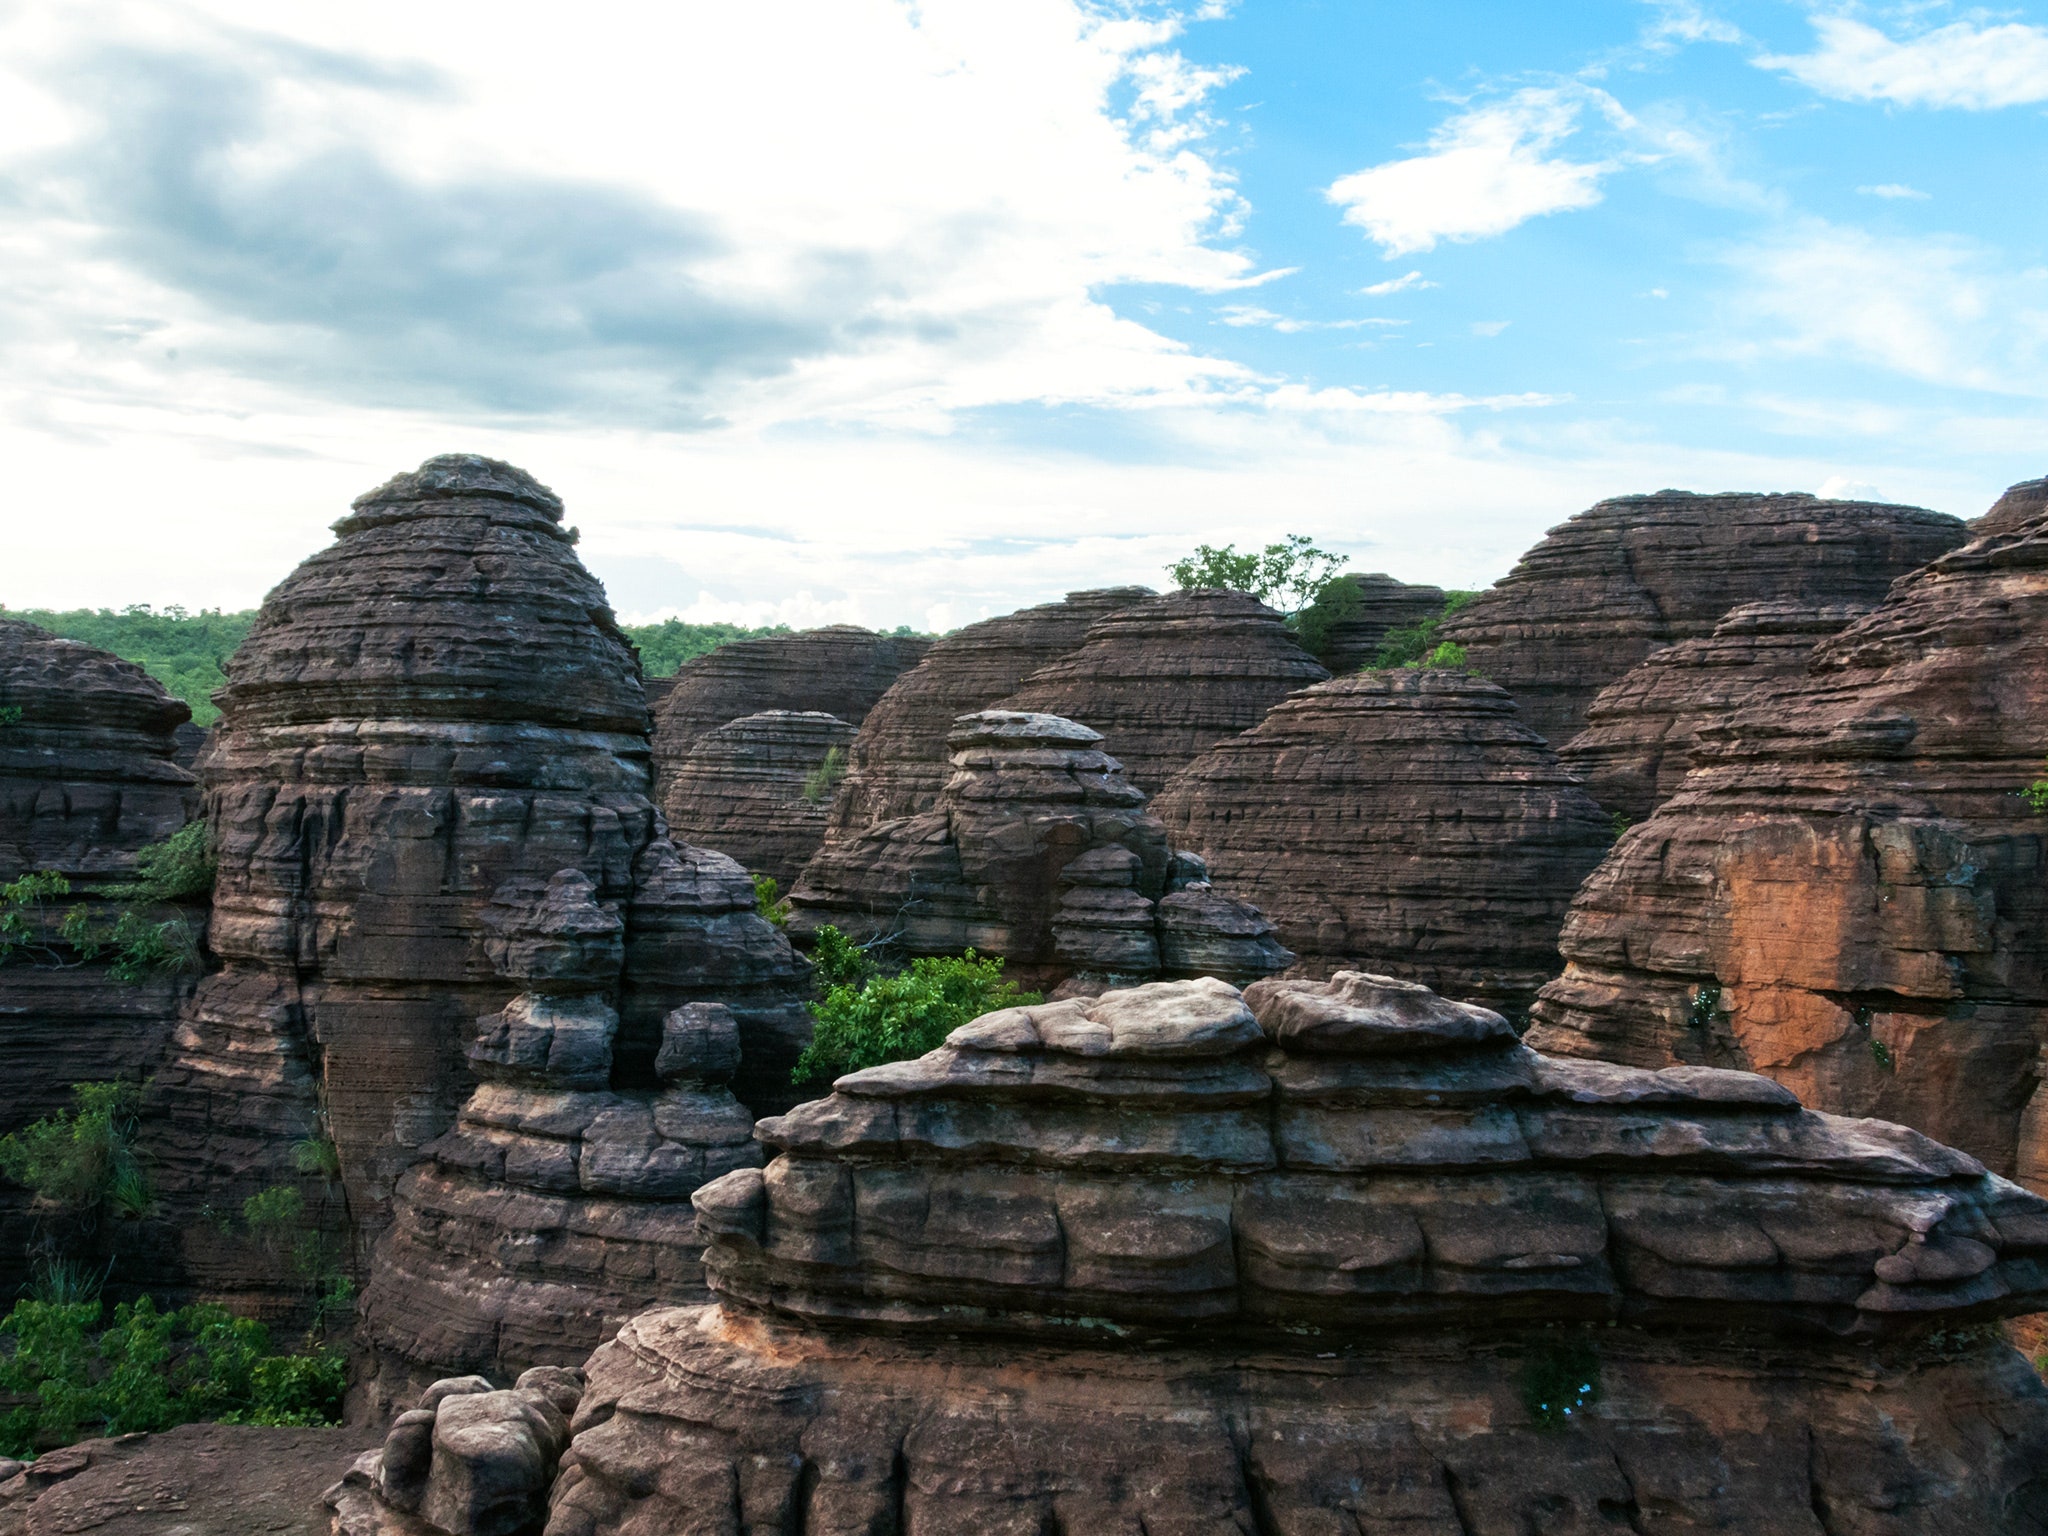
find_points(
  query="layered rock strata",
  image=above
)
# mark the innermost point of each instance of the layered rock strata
(1636, 573)
(840, 670)
(437, 704)
(900, 759)
(1166, 679)
(1637, 744)
(1846, 892)
(1402, 820)
(88, 778)
(2020, 504)
(759, 788)
(1381, 605)
(1040, 851)
(557, 1206)
(1390, 1270)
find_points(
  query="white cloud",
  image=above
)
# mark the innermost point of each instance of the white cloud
(1681, 21)
(1894, 191)
(1485, 171)
(1490, 327)
(1399, 284)
(1964, 64)
(1846, 488)
(1253, 315)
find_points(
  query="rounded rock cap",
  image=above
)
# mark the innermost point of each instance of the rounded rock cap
(1018, 728)
(451, 476)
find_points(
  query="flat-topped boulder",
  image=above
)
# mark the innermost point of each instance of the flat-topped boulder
(1323, 1256)
(1165, 679)
(1404, 821)
(1636, 573)
(838, 670)
(1637, 744)
(759, 788)
(1846, 891)
(1379, 606)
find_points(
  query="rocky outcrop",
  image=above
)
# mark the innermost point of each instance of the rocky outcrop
(1636, 573)
(1166, 679)
(2019, 505)
(840, 670)
(1324, 1257)
(1404, 821)
(436, 705)
(557, 1206)
(1638, 740)
(1846, 892)
(900, 758)
(88, 778)
(1379, 605)
(757, 788)
(1039, 851)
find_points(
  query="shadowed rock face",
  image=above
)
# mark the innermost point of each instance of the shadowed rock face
(1847, 892)
(1639, 735)
(2020, 504)
(437, 704)
(1404, 821)
(740, 789)
(1384, 604)
(840, 670)
(1636, 573)
(1166, 679)
(1361, 1232)
(1040, 851)
(88, 778)
(900, 759)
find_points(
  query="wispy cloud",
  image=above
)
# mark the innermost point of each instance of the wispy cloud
(1894, 191)
(1680, 21)
(1965, 64)
(1242, 315)
(1399, 284)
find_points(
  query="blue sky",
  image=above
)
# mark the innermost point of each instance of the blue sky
(915, 312)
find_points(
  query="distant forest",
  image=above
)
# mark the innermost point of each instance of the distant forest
(187, 651)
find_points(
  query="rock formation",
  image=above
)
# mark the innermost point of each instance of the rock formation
(88, 778)
(1630, 575)
(1324, 1257)
(1846, 893)
(840, 670)
(557, 1206)
(437, 704)
(2020, 504)
(900, 759)
(1040, 851)
(1166, 679)
(1402, 820)
(1637, 744)
(1383, 605)
(741, 788)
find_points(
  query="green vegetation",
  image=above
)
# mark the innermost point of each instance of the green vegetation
(1619, 823)
(82, 1161)
(186, 652)
(769, 900)
(1560, 1379)
(11, 715)
(141, 939)
(836, 961)
(821, 781)
(1290, 575)
(2036, 793)
(664, 647)
(875, 1019)
(24, 925)
(1706, 1005)
(1417, 645)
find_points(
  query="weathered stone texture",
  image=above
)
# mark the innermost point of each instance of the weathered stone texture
(1637, 744)
(1362, 1234)
(1848, 892)
(1166, 679)
(740, 789)
(840, 670)
(1402, 821)
(900, 758)
(1384, 605)
(1627, 576)
(2020, 504)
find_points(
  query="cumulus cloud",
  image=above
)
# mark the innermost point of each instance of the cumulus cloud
(1483, 172)
(1965, 64)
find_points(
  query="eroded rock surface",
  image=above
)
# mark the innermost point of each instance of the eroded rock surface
(1374, 1248)
(900, 759)
(1040, 851)
(1637, 744)
(2019, 505)
(1847, 891)
(1166, 679)
(1636, 573)
(840, 670)
(742, 789)
(1404, 821)
(1383, 605)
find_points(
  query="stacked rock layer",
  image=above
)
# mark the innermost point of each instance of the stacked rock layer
(1637, 744)
(1404, 821)
(1166, 679)
(1847, 892)
(557, 1206)
(1382, 606)
(1039, 851)
(436, 705)
(757, 788)
(1627, 576)
(2020, 504)
(900, 759)
(1363, 1234)
(840, 670)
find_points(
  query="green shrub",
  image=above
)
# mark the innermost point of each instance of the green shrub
(1618, 823)
(821, 781)
(1413, 645)
(82, 1160)
(837, 961)
(1705, 1006)
(894, 1018)
(1290, 574)
(24, 926)
(176, 869)
(2036, 794)
(10, 715)
(1336, 601)
(1448, 653)
(1560, 1379)
(318, 1156)
(768, 900)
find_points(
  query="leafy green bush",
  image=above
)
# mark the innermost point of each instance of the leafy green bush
(837, 961)
(821, 781)
(1337, 600)
(1448, 653)
(1289, 575)
(186, 652)
(82, 1160)
(317, 1155)
(664, 647)
(768, 900)
(1416, 644)
(893, 1018)
(2036, 794)
(24, 914)
(143, 941)
(176, 869)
